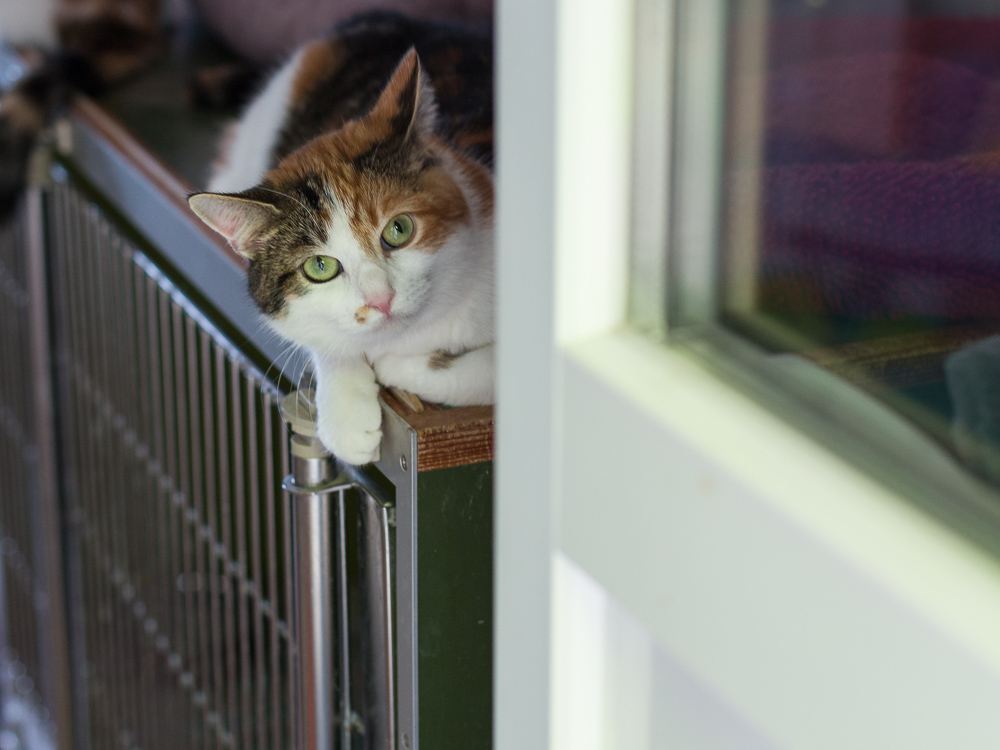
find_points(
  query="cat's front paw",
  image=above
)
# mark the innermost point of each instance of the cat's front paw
(350, 426)
(406, 372)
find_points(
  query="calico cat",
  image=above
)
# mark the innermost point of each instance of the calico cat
(358, 185)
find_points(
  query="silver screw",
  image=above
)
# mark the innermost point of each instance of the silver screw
(406, 741)
(402, 465)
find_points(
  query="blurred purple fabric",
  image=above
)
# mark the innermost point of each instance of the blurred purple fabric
(882, 179)
(267, 30)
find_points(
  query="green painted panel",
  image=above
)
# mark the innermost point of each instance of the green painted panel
(455, 607)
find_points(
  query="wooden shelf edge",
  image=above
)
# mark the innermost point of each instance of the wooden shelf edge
(446, 438)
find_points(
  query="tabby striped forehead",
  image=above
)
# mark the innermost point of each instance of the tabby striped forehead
(383, 164)
(364, 174)
(369, 199)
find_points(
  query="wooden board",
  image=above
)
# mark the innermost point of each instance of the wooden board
(445, 437)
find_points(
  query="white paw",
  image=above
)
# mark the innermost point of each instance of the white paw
(350, 425)
(401, 372)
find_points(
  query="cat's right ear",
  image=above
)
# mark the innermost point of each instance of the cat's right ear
(406, 105)
(240, 220)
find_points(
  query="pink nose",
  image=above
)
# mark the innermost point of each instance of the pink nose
(381, 302)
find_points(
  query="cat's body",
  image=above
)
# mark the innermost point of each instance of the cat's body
(371, 151)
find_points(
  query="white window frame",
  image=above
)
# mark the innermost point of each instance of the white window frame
(812, 602)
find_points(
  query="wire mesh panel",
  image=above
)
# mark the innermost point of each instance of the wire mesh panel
(174, 453)
(21, 660)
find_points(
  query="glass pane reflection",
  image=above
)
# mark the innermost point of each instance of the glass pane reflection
(863, 201)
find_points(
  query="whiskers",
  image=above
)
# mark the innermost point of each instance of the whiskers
(287, 358)
(286, 195)
(283, 361)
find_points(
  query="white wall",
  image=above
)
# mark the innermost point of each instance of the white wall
(677, 567)
(27, 21)
(614, 686)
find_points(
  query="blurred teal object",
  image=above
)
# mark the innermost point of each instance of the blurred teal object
(973, 378)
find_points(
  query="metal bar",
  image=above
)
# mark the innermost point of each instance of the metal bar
(312, 519)
(252, 401)
(291, 623)
(72, 368)
(161, 491)
(151, 726)
(310, 485)
(210, 532)
(343, 620)
(122, 593)
(272, 566)
(241, 566)
(174, 502)
(197, 516)
(375, 555)
(108, 388)
(77, 621)
(97, 547)
(399, 465)
(149, 452)
(225, 501)
(56, 672)
(186, 515)
(140, 532)
(112, 391)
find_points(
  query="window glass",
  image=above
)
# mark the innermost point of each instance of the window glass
(861, 201)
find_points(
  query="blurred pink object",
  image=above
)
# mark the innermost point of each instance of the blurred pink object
(269, 29)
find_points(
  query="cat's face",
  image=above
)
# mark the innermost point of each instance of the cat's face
(350, 238)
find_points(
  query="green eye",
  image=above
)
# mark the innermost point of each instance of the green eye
(398, 231)
(320, 268)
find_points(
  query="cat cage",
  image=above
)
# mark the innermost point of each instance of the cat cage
(183, 566)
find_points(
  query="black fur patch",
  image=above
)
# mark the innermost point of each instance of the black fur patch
(458, 61)
(310, 194)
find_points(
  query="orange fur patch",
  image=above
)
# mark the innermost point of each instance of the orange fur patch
(474, 138)
(480, 181)
(431, 196)
(358, 136)
(319, 61)
(433, 199)
(361, 315)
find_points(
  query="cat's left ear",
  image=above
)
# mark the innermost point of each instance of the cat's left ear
(241, 220)
(406, 105)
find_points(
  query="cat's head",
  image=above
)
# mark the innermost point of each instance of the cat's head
(360, 232)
